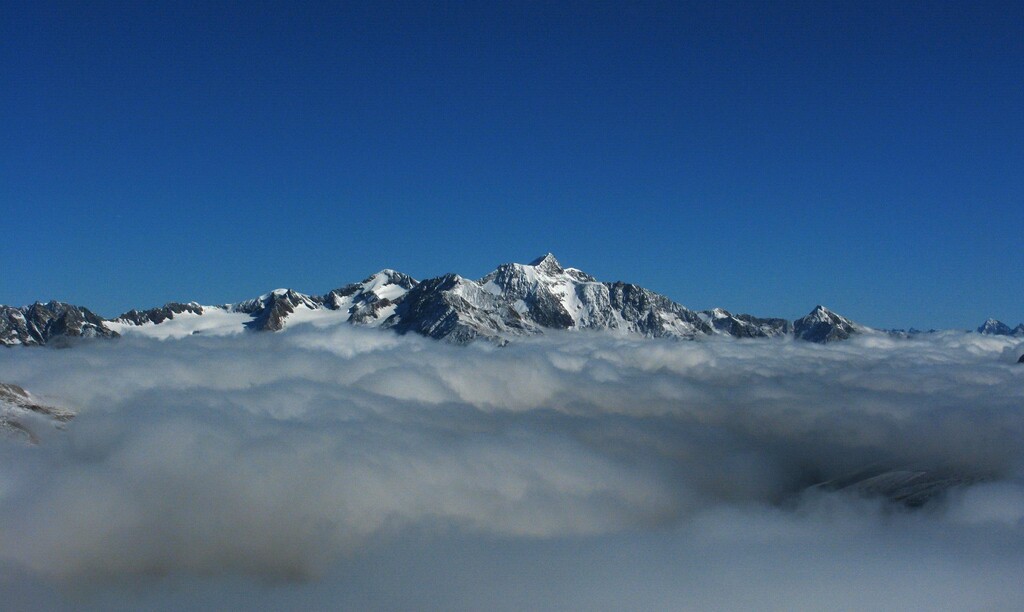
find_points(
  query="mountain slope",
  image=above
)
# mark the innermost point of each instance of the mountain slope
(373, 300)
(459, 311)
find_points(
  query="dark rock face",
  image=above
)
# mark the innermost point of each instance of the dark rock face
(159, 315)
(14, 327)
(644, 309)
(53, 323)
(269, 311)
(1021, 360)
(823, 326)
(370, 310)
(456, 310)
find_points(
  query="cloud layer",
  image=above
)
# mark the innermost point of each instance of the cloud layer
(573, 471)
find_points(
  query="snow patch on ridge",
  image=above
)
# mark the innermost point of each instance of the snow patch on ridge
(215, 321)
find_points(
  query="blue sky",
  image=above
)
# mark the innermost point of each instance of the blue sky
(762, 157)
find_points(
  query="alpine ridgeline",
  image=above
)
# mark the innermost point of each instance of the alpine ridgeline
(992, 327)
(513, 301)
(51, 323)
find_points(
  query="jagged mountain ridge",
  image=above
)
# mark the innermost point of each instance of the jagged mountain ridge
(51, 323)
(518, 299)
(822, 325)
(362, 302)
(994, 327)
(512, 301)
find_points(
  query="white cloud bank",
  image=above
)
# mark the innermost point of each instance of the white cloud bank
(318, 468)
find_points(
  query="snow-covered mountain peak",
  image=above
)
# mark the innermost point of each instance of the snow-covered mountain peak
(391, 275)
(372, 300)
(388, 283)
(547, 263)
(294, 298)
(995, 327)
(515, 280)
(823, 314)
(823, 325)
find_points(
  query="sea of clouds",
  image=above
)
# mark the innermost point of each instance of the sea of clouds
(337, 467)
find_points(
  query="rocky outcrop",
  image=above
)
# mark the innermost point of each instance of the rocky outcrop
(159, 315)
(270, 310)
(746, 326)
(457, 310)
(822, 325)
(54, 323)
(373, 299)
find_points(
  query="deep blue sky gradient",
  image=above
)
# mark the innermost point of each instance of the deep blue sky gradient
(763, 157)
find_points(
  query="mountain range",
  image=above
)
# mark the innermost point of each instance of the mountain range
(515, 300)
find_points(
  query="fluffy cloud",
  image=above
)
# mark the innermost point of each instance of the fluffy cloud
(576, 470)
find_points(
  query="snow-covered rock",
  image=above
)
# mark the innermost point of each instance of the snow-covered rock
(159, 315)
(270, 310)
(50, 323)
(745, 326)
(994, 327)
(548, 296)
(457, 310)
(24, 416)
(373, 300)
(822, 325)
